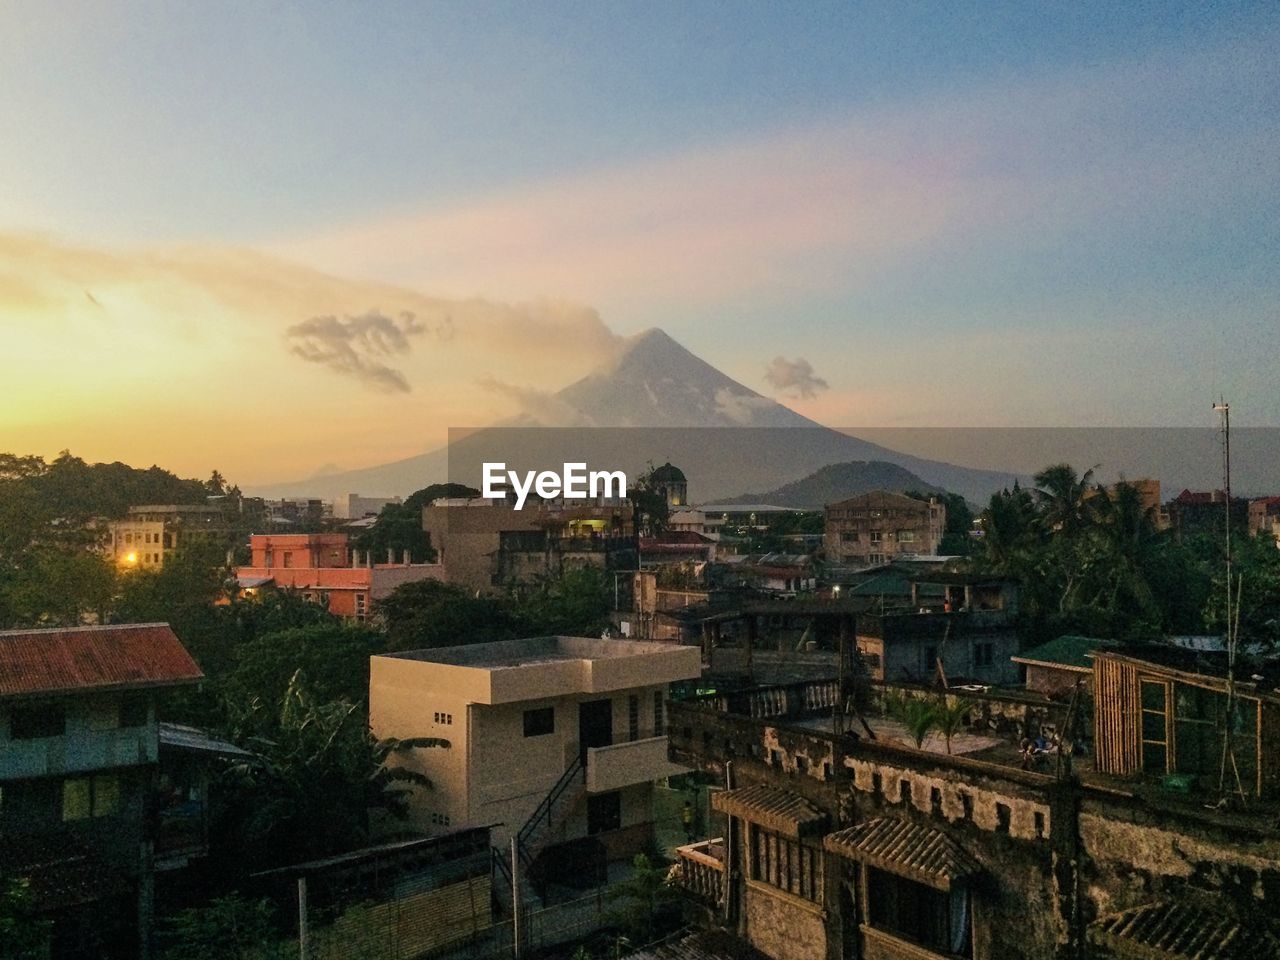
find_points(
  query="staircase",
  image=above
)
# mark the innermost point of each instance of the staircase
(532, 838)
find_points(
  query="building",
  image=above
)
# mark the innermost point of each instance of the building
(80, 750)
(487, 545)
(1160, 712)
(773, 573)
(323, 568)
(1055, 668)
(970, 626)
(352, 506)
(670, 482)
(149, 534)
(552, 740)
(1264, 518)
(873, 528)
(1204, 512)
(831, 844)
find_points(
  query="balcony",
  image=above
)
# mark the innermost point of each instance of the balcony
(623, 764)
(78, 751)
(699, 871)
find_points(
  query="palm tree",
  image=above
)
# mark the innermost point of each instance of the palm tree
(949, 717)
(1064, 498)
(917, 715)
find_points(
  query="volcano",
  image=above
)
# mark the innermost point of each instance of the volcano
(656, 402)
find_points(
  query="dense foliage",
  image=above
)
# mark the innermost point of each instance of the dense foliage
(1094, 561)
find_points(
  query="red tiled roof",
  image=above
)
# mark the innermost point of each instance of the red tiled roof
(76, 659)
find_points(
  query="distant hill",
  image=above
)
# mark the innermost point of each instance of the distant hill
(839, 481)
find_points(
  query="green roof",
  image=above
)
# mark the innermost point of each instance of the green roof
(1067, 651)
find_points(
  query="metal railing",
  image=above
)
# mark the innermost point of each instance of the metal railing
(542, 818)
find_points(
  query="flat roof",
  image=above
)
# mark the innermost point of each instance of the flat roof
(534, 668)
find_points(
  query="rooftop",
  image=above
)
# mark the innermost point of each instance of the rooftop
(1066, 651)
(507, 671)
(101, 658)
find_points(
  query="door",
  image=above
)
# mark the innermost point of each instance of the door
(595, 725)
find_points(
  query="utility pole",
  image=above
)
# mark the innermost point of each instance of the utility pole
(304, 929)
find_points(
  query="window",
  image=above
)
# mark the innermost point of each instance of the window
(875, 558)
(134, 712)
(360, 606)
(984, 654)
(786, 864)
(906, 536)
(633, 717)
(33, 723)
(1199, 719)
(604, 812)
(659, 714)
(877, 536)
(85, 797)
(919, 914)
(1155, 737)
(848, 536)
(288, 558)
(128, 538)
(446, 719)
(540, 722)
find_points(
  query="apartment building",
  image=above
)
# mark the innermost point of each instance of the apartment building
(877, 527)
(149, 534)
(325, 569)
(80, 749)
(552, 740)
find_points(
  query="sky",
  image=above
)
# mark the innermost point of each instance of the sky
(275, 238)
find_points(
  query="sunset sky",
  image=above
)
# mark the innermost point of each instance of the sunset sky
(269, 238)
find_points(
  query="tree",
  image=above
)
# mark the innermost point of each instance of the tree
(228, 928)
(576, 603)
(427, 613)
(650, 906)
(399, 525)
(334, 657)
(315, 777)
(1064, 498)
(956, 536)
(23, 934)
(949, 716)
(919, 716)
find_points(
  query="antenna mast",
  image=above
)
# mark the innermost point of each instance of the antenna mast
(1232, 613)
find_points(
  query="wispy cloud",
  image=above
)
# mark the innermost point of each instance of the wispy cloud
(794, 378)
(354, 346)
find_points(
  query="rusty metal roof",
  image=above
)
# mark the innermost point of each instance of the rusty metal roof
(1178, 930)
(83, 659)
(907, 849)
(779, 810)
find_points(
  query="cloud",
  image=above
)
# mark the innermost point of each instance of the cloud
(179, 337)
(352, 346)
(794, 377)
(536, 406)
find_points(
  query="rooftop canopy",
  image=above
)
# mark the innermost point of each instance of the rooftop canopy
(906, 849)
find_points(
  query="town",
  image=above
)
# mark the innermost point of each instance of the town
(445, 726)
(639, 480)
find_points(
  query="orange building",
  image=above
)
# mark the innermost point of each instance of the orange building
(324, 569)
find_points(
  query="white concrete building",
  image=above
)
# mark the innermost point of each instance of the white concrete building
(551, 739)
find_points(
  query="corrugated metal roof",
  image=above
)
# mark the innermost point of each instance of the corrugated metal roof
(1067, 651)
(780, 810)
(1178, 930)
(79, 659)
(178, 737)
(907, 849)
